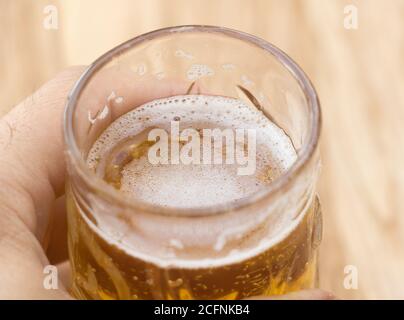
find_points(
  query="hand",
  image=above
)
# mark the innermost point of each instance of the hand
(32, 178)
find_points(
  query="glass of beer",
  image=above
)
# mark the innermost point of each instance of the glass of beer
(192, 161)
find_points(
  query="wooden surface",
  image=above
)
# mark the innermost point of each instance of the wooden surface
(359, 75)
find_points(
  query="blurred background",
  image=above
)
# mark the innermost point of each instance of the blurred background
(357, 67)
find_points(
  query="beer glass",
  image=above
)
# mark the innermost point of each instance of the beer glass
(263, 243)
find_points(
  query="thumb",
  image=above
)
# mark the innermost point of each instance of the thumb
(31, 176)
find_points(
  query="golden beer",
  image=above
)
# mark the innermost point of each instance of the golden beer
(192, 162)
(103, 271)
(137, 255)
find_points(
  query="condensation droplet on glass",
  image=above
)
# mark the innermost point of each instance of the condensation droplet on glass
(140, 69)
(220, 243)
(175, 283)
(118, 100)
(90, 118)
(175, 243)
(182, 54)
(103, 113)
(111, 97)
(246, 81)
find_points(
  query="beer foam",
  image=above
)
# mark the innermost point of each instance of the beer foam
(191, 186)
(196, 185)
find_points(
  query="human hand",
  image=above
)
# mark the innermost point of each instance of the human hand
(32, 178)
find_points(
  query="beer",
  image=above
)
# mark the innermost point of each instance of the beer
(138, 255)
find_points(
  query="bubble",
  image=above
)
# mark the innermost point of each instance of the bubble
(175, 283)
(190, 186)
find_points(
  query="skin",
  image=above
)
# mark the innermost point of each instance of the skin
(32, 178)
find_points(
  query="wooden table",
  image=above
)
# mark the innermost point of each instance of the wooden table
(359, 75)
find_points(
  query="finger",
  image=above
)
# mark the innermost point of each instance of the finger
(32, 170)
(30, 154)
(31, 157)
(32, 160)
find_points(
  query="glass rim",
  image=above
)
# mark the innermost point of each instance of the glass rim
(283, 181)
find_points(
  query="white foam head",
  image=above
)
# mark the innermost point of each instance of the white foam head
(196, 185)
(191, 186)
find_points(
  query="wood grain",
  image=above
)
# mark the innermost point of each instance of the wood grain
(359, 75)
